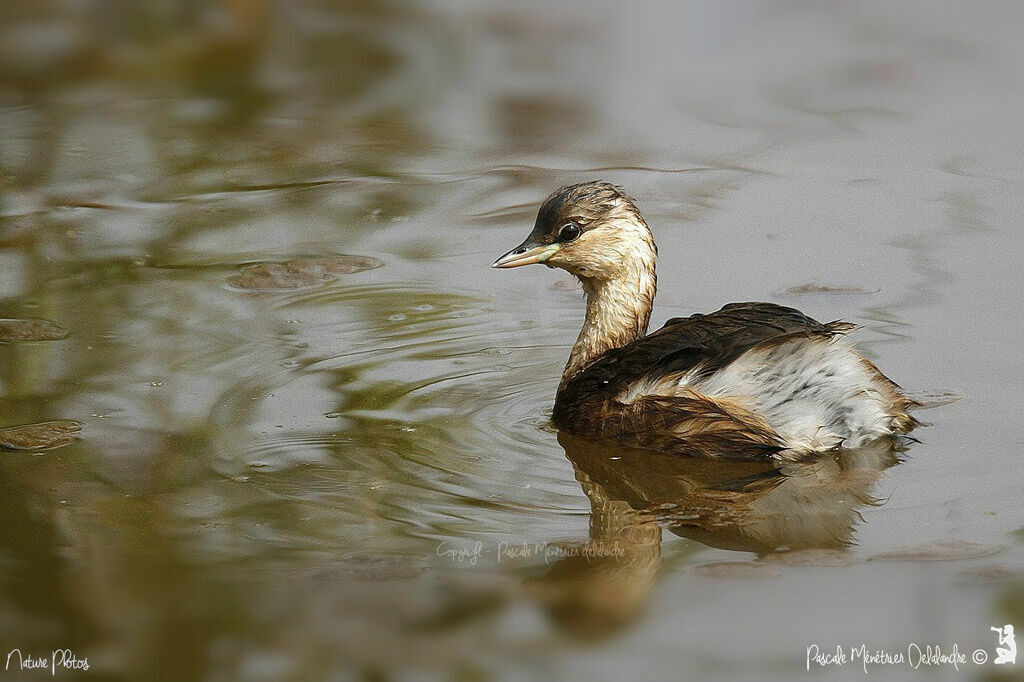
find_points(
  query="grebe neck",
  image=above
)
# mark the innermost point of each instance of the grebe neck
(618, 311)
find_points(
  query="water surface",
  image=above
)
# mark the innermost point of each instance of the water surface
(250, 244)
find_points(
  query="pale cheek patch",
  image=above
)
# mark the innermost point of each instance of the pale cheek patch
(611, 251)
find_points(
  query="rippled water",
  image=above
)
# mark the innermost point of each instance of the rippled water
(290, 425)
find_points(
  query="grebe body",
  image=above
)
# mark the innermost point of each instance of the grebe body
(750, 380)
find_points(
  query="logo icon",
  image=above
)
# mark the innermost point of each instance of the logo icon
(1007, 640)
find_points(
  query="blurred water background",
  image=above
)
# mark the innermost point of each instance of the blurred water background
(255, 238)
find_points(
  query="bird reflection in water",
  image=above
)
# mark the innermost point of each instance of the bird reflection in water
(768, 508)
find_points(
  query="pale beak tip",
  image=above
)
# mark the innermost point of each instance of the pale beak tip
(525, 254)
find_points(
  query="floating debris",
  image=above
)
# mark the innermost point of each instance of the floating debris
(812, 557)
(815, 288)
(275, 277)
(992, 574)
(42, 436)
(299, 274)
(943, 550)
(30, 330)
(336, 265)
(736, 569)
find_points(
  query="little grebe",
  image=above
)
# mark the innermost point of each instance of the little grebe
(750, 380)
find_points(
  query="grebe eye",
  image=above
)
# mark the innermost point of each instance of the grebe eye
(568, 232)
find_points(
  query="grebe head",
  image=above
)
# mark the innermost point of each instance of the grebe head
(593, 230)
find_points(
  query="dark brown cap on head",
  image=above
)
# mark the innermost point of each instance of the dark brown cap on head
(565, 219)
(582, 204)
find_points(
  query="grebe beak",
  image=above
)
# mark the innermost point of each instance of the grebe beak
(527, 253)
